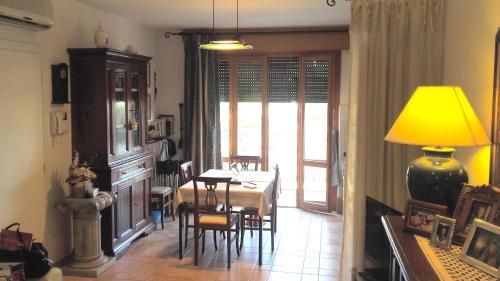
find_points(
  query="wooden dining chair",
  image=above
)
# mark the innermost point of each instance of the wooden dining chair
(163, 191)
(245, 161)
(211, 217)
(186, 176)
(252, 215)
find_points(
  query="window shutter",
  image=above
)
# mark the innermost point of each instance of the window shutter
(283, 79)
(223, 80)
(249, 81)
(316, 81)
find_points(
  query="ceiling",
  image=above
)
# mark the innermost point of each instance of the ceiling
(187, 14)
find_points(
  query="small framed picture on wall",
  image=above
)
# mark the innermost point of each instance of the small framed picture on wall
(169, 124)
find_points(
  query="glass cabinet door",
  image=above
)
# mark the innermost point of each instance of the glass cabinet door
(135, 119)
(120, 109)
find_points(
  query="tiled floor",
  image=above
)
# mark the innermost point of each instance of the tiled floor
(308, 247)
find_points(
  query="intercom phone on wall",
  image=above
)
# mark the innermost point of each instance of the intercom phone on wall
(59, 123)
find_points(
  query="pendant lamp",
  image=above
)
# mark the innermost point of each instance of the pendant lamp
(227, 44)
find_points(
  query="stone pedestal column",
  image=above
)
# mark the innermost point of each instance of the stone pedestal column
(87, 258)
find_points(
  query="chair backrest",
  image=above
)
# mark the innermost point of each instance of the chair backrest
(245, 161)
(210, 200)
(167, 173)
(186, 172)
(275, 184)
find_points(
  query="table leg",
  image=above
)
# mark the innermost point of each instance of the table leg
(181, 228)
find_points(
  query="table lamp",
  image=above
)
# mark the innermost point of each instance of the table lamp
(438, 118)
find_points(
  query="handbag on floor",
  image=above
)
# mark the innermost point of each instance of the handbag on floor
(17, 246)
(13, 240)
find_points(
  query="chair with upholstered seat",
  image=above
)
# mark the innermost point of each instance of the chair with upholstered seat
(210, 216)
(252, 215)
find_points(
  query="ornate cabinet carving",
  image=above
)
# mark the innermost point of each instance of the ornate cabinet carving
(108, 101)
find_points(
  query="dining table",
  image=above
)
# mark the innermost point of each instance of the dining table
(249, 189)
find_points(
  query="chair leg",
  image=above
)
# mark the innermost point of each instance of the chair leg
(203, 242)
(242, 222)
(260, 241)
(186, 229)
(228, 238)
(237, 237)
(162, 211)
(196, 242)
(172, 211)
(252, 225)
(223, 234)
(273, 221)
(215, 239)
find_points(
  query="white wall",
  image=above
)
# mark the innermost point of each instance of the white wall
(75, 23)
(170, 61)
(469, 62)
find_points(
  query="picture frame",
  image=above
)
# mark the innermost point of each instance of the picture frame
(481, 247)
(442, 232)
(420, 216)
(169, 124)
(481, 202)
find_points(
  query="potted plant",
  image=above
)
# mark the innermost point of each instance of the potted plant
(80, 177)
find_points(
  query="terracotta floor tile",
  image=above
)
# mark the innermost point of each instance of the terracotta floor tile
(235, 274)
(259, 276)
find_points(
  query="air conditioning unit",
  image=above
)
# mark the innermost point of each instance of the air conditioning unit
(28, 14)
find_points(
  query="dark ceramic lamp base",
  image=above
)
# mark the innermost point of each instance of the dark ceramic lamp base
(436, 177)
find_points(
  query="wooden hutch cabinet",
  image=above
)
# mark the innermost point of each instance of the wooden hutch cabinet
(108, 104)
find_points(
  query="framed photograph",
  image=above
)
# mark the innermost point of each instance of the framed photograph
(442, 232)
(169, 124)
(420, 216)
(481, 248)
(476, 202)
(148, 107)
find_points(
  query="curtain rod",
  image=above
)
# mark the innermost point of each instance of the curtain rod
(342, 29)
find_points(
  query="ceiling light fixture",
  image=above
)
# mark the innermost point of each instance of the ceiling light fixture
(227, 44)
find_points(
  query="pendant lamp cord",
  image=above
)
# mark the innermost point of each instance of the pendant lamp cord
(237, 17)
(213, 19)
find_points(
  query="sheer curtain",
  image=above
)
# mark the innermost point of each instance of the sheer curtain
(396, 45)
(201, 128)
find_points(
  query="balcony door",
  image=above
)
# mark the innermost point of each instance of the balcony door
(314, 137)
(281, 108)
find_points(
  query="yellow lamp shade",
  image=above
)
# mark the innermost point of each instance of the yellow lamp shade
(438, 116)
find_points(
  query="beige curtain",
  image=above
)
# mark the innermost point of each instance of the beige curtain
(396, 45)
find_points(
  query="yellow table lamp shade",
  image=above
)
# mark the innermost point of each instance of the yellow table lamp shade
(438, 116)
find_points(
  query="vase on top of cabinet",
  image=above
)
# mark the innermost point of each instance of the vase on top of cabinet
(108, 102)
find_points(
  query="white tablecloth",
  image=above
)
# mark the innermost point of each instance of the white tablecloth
(239, 195)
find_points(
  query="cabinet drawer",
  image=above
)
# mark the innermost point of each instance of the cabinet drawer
(131, 169)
